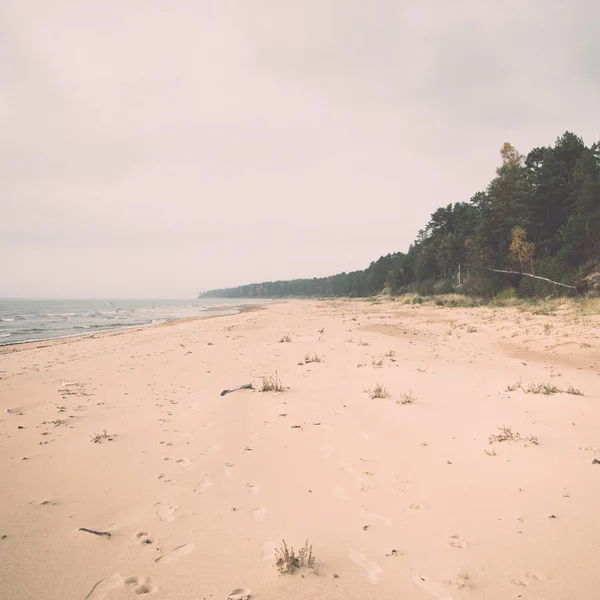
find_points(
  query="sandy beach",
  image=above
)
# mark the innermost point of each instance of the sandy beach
(475, 475)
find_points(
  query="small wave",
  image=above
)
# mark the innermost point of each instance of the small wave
(158, 321)
(81, 327)
(4, 334)
(7, 320)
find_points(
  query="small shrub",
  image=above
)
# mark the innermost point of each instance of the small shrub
(513, 387)
(504, 295)
(406, 398)
(287, 561)
(271, 384)
(363, 343)
(312, 358)
(546, 389)
(285, 338)
(98, 438)
(378, 391)
(506, 434)
(471, 329)
(574, 391)
(377, 362)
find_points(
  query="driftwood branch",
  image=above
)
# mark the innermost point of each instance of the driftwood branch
(571, 287)
(100, 533)
(247, 386)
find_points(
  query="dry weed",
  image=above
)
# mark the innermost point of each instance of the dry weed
(378, 391)
(271, 384)
(98, 438)
(287, 561)
(406, 398)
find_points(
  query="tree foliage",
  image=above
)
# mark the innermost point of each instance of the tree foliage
(539, 215)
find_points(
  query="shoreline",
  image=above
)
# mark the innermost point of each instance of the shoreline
(66, 339)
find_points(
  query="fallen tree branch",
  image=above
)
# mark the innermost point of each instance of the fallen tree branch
(247, 386)
(100, 533)
(571, 287)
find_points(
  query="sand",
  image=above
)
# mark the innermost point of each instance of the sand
(399, 500)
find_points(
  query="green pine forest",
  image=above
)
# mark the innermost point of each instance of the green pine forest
(540, 215)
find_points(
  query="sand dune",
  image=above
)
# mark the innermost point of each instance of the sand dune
(404, 496)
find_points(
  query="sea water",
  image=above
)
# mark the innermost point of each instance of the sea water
(33, 320)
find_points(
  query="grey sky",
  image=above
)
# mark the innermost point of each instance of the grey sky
(153, 148)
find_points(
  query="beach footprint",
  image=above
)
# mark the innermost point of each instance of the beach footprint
(259, 514)
(340, 492)
(526, 579)
(268, 550)
(176, 553)
(166, 512)
(372, 569)
(456, 541)
(102, 587)
(377, 518)
(253, 489)
(344, 466)
(433, 588)
(228, 469)
(140, 586)
(204, 486)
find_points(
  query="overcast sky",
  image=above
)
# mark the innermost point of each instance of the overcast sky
(155, 148)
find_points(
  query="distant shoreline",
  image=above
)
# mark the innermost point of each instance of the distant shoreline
(66, 339)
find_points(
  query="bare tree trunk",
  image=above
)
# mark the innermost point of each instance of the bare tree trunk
(571, 287)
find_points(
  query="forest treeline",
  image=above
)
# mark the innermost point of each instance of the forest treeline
(539, 215)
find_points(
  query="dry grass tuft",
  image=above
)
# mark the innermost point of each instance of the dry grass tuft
(506, 434)
(285, 338)
(377, 362)
(406, 398)
(271, 384)
(378, 391)
(287, 561)
(573, 391)
(98, 438)
(471, 329)
(312, 358)
(390, 353)
(363, 343)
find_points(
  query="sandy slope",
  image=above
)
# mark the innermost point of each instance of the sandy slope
(398, 500)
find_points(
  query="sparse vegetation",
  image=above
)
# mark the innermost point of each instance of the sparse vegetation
(363, 343)
(471, 329)
(312, 358)
(287, 561)
(285, 338)
(490, 453)
(377, 362)
(271, 383)
(573, 391)
(406, 398)
(379, 391)
(506, 434)
(546, 389)
(390, 353)
(98, 438)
